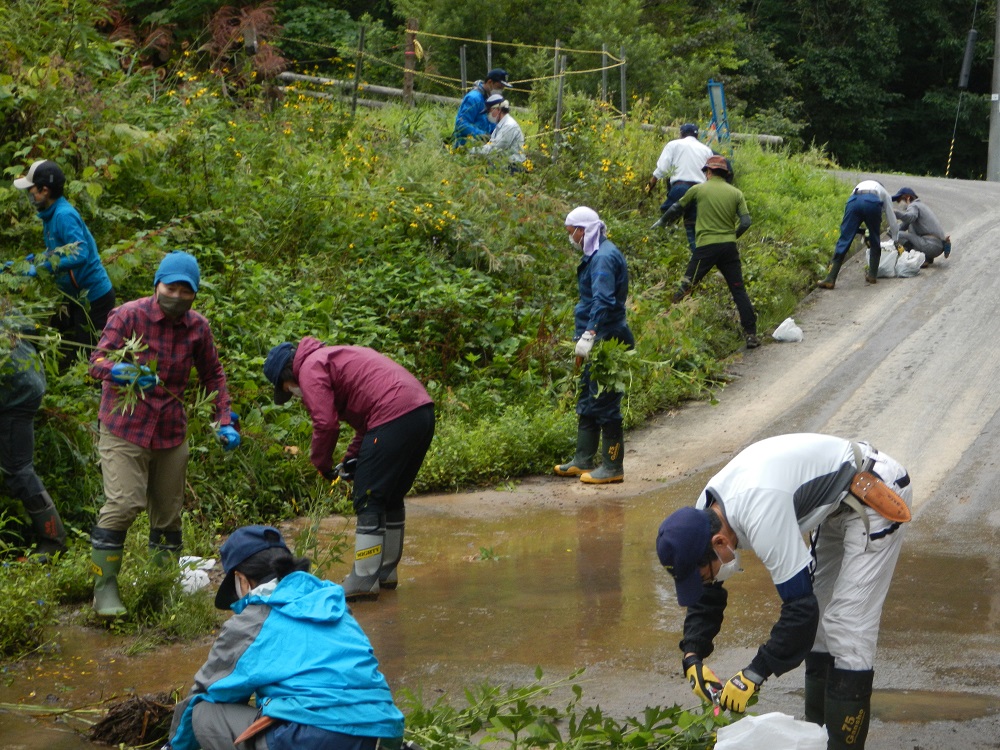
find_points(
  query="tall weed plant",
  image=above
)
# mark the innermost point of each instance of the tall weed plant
(372, 230)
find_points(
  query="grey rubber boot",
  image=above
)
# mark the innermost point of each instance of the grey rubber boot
(392, 551)
(106, 564)
(848, 708)
(362, 581)
(612, 467)
(165, 547)
(588, 437)
(818, 666)
(831, 277)
(50, 535)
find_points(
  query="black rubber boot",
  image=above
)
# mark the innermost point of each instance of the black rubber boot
(164, 547)
(369, 537)
(588, 437)
(818, 666)
(848, 708)
(874, 256)
(392, 550)
(612, 467)
(831, 277)
(50, 535)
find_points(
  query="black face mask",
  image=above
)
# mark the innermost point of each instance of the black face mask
(173, 307)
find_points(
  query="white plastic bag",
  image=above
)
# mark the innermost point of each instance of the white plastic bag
(194, 573)
(773, 731)
(909, 263)
(787, 331)
(887, 262)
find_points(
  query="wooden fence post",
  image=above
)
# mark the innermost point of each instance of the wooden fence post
(357, 71)
(559, 105)
(409, 62)
(624, 97)
(604, 73)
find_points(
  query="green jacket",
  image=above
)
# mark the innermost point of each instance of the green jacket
(720, 208)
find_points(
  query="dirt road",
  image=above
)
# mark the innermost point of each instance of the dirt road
(910, 365)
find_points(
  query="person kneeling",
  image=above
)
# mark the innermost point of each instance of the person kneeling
(295, 647)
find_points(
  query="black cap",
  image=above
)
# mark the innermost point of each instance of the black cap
(42, 173)
(275, 363)
(498, 75)
(241, 545)
(902, 192)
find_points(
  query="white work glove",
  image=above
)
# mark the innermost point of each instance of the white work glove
(585, 344)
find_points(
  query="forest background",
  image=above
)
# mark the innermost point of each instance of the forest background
(368, 228)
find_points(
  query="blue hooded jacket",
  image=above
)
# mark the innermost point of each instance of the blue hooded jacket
(80, 268)
(472, 120)
(295, 646)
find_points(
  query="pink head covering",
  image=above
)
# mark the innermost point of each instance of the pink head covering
(594, 229)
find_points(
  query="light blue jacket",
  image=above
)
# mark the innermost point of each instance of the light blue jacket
(301, 652)
(80, 268)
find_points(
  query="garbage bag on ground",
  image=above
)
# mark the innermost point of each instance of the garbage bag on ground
(194, 573)
(909, 263)
(887, 263)
(770, 732)
(787, 331)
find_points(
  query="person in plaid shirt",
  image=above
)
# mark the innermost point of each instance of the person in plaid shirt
(143, 446)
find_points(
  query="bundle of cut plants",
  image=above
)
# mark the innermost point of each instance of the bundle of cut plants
(136, 720)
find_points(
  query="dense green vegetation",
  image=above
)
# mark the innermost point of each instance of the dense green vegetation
(367, 230)
(360, 229)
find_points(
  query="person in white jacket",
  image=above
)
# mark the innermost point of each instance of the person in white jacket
(868, 202)
(507, 137)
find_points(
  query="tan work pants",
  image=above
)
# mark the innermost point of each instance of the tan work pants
(137, 479)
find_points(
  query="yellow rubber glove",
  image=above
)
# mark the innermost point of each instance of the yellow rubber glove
(737, 692)
(703, 681)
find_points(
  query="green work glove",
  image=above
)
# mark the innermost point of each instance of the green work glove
(738, 691)
(703, 681)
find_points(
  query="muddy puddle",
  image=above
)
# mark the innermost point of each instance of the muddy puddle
(491, 599)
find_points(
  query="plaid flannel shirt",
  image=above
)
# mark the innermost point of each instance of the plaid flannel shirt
(159, 420)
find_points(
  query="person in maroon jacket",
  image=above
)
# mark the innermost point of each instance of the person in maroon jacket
(393, 420)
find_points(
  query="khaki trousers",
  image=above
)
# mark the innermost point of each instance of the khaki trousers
(137, 479)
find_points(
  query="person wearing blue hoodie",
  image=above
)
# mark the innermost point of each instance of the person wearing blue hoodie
(71, 255)
(294, 647)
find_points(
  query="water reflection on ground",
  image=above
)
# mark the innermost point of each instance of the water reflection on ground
(491, 599)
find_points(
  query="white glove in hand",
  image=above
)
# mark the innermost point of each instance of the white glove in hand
(585, 344)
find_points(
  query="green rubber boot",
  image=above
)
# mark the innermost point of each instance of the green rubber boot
(105, 565)
(164, 547)
(588, 437)
(612, 467)
(831, 278)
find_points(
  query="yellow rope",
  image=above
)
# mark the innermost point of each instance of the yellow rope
(518, 44)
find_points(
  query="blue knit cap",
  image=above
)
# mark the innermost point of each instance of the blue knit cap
(178, 266)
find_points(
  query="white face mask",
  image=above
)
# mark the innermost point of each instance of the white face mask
(493, 117)
(295, 390)
(728, 568)
(573, 241)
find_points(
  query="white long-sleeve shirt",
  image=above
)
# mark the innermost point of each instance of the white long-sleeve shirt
(507, 137)
(682, 160)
